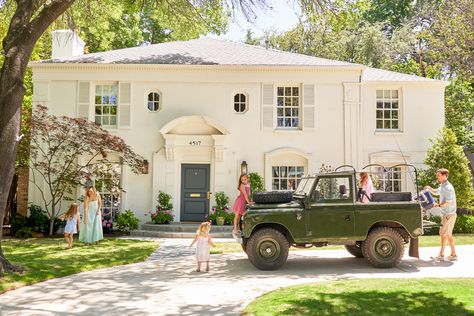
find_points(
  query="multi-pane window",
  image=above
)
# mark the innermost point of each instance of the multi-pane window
(106, 105)
(388, 180)
(240, 103)
(286, 177)
(388, 110)
(288, 107)
(154, 100)
(109, 188)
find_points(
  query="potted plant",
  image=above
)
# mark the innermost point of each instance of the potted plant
(221, 207)
(163, 214)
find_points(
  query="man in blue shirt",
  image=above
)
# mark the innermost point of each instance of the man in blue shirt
(447, 209)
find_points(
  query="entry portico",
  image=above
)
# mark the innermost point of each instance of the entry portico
(190, 165)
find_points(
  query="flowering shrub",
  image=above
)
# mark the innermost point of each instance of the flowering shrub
(107, 221)
(162, 216)
(127, 221)
(221, 209)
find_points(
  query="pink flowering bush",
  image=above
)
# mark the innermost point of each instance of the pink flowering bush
(162, 216)
(107, 221)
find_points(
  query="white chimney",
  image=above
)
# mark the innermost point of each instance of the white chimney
(66, 44)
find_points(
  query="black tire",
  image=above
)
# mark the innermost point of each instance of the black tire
(267, 249)
(273, 197)
(384, 247)
(355, 250)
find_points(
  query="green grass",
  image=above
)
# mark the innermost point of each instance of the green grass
(425, 241)
(451, 297)
(48, 258)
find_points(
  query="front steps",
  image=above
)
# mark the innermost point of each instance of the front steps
(180, 230)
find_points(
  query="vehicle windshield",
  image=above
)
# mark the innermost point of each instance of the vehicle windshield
(304, 188)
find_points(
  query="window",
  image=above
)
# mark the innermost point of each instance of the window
(106, 105)
(109, 188)
(240, 103)
(286, 177)
(388, 181)
(388, 110)
(332, 189)
(154, 99)
(288, 107)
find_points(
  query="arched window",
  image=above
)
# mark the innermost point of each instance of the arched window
(154, 101)
(240, 103)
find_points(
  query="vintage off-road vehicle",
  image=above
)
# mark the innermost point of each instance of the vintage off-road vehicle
(325, 209)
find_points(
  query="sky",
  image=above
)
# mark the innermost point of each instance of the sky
(281, 16)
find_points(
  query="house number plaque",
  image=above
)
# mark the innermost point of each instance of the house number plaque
(195, 143)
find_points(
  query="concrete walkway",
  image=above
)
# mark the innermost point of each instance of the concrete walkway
(166, 283)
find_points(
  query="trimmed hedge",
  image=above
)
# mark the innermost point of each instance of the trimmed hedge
(464, 225)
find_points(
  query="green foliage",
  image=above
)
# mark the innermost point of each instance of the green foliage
(18, 222)
(446, 153)
(127, 221)
(256, 183)
(161, 216)
(37, 219)
(459, 108)
(164, 201)
(24, 233)
(464, 224)
(221, 209)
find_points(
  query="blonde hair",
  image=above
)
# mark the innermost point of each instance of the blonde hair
(72, 211)
(93, 190)
(364, 177)
(204, 229)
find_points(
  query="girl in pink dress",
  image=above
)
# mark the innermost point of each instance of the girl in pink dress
(365, 183)
(242, 200)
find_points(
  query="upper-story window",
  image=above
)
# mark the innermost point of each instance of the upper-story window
(288, 107)
(106, 105)
(388, 110)
(240, 103)
(154, 101)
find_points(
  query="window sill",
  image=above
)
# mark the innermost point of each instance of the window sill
(287, 131)
(388, 132)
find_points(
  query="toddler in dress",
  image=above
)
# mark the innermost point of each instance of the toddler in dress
(72, 223)
(203, 242)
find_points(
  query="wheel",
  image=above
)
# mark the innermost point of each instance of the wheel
(384, 247)
(355, 250)
(273, 197)
(267, 249)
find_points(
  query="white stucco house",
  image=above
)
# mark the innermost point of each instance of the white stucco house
(198, 109)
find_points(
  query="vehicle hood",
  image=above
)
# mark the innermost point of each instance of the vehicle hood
(257, 207)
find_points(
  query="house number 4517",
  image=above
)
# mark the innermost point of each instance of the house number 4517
(195, 143)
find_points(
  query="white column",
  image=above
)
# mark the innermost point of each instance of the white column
(352, 121)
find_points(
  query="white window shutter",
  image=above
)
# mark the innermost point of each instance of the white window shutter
(308, 106)
(267, 106)
(124, 108)
(83, 97)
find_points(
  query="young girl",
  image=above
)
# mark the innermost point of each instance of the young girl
(365, 183)
(242, 200)
(204, 241)
(72, 223)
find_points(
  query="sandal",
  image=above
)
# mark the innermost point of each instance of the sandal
(198, 270)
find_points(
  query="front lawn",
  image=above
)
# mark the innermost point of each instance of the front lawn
(48, 258)
(453, 297)
(425, 241)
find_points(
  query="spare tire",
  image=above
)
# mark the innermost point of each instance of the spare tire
(273, 197)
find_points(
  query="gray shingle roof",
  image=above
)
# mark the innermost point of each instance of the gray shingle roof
(208, 51)
(374, 74)
(201, 52)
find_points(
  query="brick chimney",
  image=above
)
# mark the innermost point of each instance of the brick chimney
(66, 44)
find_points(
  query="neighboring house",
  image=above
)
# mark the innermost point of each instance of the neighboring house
(198, 109)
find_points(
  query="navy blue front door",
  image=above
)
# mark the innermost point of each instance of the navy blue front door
(195, 185)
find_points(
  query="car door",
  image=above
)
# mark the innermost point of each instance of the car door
(331, 212)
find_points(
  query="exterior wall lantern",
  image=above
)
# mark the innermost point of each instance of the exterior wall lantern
(145, 167)
(243, 167)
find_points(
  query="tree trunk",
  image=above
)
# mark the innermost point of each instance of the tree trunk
(51, 221)
(26, 27)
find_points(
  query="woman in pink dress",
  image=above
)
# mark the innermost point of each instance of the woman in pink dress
(242, 200)
(365, 183)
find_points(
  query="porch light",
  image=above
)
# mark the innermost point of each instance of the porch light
(243, 167)
(145, 167)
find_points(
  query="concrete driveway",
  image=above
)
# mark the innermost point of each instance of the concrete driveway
(167, 284)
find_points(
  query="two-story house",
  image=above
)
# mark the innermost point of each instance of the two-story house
(202, 111)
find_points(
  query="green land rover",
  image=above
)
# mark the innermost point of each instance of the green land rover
(325, 209)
